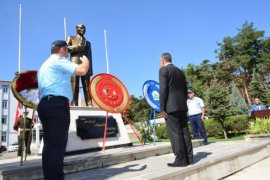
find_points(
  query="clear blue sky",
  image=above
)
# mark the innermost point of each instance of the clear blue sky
(138, 32)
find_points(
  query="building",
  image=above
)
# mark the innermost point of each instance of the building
(8, 105)
(8, 108)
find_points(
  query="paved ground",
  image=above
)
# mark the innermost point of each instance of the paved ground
(144, 168)
(258, 171)
(134, 169)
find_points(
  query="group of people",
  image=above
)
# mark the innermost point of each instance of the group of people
(177, 105)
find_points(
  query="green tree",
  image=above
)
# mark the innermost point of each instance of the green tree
(237, 102)
(244, 53)
(267, 98)
(218, 104)
(194, 81)
(257, 88)
(138, 110)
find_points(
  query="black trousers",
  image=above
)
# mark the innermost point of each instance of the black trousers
(54, 114)
(177, 128)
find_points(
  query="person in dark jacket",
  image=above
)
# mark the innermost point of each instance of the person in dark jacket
(173, 107)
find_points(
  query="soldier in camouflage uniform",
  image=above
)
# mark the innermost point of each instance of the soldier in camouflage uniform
(27, 134)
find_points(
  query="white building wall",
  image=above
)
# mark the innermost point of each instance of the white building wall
(9, 112)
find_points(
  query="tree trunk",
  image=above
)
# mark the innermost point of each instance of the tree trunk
(224, 130)
(225, 134)
(247, 94)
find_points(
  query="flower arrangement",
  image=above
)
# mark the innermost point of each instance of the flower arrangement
(25, 88)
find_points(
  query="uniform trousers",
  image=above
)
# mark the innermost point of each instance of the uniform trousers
(197, 127)
(54, 114)
(178, 132)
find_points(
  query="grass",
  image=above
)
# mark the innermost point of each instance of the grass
(211, 139)
(218, 139)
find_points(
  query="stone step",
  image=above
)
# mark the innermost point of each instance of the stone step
(32, 168)
(214, 161)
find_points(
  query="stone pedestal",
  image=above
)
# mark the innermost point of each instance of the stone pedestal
(76, 144)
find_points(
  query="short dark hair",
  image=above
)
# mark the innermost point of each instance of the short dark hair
(167, 57)
(56, 49)
(56, 46)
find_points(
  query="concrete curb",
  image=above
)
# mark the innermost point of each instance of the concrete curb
(32, 169)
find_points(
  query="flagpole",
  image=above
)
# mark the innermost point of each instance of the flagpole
(20, 37)
(106, 50)
(65, 27)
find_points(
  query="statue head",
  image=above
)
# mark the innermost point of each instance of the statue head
(80, 28)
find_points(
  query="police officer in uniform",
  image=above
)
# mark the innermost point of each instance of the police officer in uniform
(24, 132)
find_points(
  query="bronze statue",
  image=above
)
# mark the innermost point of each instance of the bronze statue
(79, 46)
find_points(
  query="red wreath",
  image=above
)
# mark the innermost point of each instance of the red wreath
(24, 80)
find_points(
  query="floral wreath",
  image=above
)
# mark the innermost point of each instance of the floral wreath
(25, 88)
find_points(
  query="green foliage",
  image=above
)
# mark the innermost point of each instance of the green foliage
(267, 98)
(142, 128)
(161, 132)
(218, 102)
(260, 126)
(237, 102)
(213, 128)
(237, 124)
(243, 53)
(256, 87)
(234, 125)
(138, 110)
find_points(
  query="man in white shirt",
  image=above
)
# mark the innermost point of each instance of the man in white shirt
(196, 111)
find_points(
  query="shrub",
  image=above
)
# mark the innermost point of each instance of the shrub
(260, 126)
(161, 132)
(142, 128)
(237, 124)
(213, 128)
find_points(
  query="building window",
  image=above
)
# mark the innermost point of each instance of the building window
(4, 119)
(4, 137)
(5, 88)
(4, 104)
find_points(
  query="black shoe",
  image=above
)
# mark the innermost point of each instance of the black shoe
(205, 143)
(177, 164)
(190, 162)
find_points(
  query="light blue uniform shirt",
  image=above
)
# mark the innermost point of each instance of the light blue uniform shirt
(54, 77)
(195, 106)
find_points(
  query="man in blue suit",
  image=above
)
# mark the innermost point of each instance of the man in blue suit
(257, 106)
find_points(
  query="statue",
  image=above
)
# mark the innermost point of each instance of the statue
(79, 46)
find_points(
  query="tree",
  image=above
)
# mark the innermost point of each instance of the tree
(256, 87)
(194, 82)
(244, 52)
(138, 110)
(237, 102)
(218, 104)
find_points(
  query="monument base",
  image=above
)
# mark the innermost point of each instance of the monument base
(77, 144)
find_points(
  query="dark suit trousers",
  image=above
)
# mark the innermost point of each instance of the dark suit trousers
(54, 114)
(179, 136)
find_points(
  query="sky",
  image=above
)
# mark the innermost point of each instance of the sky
(138, 32)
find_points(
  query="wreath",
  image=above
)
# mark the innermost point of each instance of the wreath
(25, 88)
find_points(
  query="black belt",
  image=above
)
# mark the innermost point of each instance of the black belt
(53, 96)
(196, 115)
